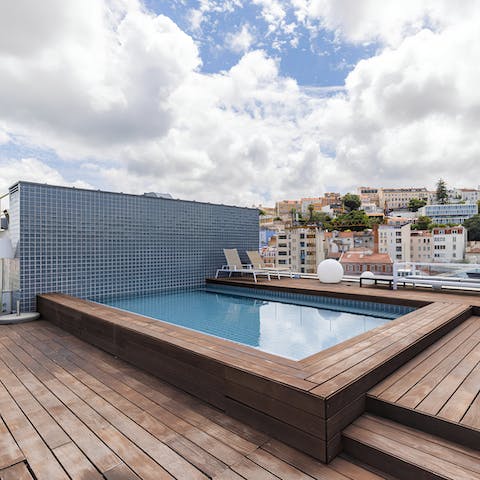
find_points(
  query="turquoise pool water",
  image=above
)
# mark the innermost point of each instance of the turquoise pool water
(289, 325)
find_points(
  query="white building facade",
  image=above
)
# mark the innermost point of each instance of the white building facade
(399, 198)
(449, 244)
(449, 214)
(301, 249)
(421, 246)
(395, 240)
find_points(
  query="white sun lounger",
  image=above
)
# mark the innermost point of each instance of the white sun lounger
(259, 264)
(234, 265)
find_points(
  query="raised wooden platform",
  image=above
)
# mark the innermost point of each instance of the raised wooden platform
(70, 411)
(306, 403)
(409, 453)
(439, 390)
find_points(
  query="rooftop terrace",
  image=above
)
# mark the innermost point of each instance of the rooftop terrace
(69, 410)
(402, 399)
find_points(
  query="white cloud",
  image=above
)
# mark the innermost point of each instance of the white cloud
(33, 170)
(273, 12)
(240, 41)
(4, 137)
(385, 21)
(119, 92)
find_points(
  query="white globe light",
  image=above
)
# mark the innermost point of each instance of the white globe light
(366, 275)
(330, 271)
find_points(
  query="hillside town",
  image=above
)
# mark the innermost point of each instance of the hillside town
(373, 228)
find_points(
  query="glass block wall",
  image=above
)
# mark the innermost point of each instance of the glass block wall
(92, 244)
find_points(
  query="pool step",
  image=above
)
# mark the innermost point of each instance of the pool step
(407, 453)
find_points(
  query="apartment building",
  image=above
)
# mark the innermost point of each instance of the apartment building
(317, 202)
(421, 246)
(368, 195)
(398, 198)
(449, 214)
(456, 195)
(472, 252)
(337, 243)
(395, 240)
(300, 248)
(357, 261)
(284, 208)
(468, 195)
(449, 244)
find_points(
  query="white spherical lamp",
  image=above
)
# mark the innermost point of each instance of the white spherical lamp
(368, 278)
(330, 271)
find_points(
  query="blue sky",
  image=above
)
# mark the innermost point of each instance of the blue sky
(317, 58)
(239, 101)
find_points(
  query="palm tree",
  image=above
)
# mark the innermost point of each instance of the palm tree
(310, 211)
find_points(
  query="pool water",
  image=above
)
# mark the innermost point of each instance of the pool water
(282, 326)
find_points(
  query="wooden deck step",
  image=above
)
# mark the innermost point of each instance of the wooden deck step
(407, 453)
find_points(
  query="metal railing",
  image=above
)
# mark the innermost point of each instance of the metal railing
(437, 275)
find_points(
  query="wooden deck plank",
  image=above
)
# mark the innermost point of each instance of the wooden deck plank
(352, 471)
(451, 384)
(207, 437)
(131, 454)
(282, 398)
(40, 457)
(406, 453)
(251, 471)
(423, 388)
(201, 343)
(277, 466)
(425, 443)
(139, 436)
(330, 356)
(76, 463)
(10, 452)
(41, 363)
(401, 380)
(96, 450)
(49, 430)
(16, 472)
(378, 357)
(472, 416)
(342, 361)
(236, 434)
(303, 462)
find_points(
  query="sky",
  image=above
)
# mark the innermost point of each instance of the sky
(239, 101)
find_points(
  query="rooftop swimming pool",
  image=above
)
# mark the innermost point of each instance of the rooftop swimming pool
(286, 324)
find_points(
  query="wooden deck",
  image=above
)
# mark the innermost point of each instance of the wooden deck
(71, 411)
(439, 388)
(409, 453)
(306, 403)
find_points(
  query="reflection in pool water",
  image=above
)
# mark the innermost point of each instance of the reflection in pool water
(288, 330)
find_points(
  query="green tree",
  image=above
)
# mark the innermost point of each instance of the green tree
(351, 202)
(473, 227)
(356, 220)
(423, 223)
(441, 193)
(415, 203)
(310, 212)
(478, 206)
(323, 218)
